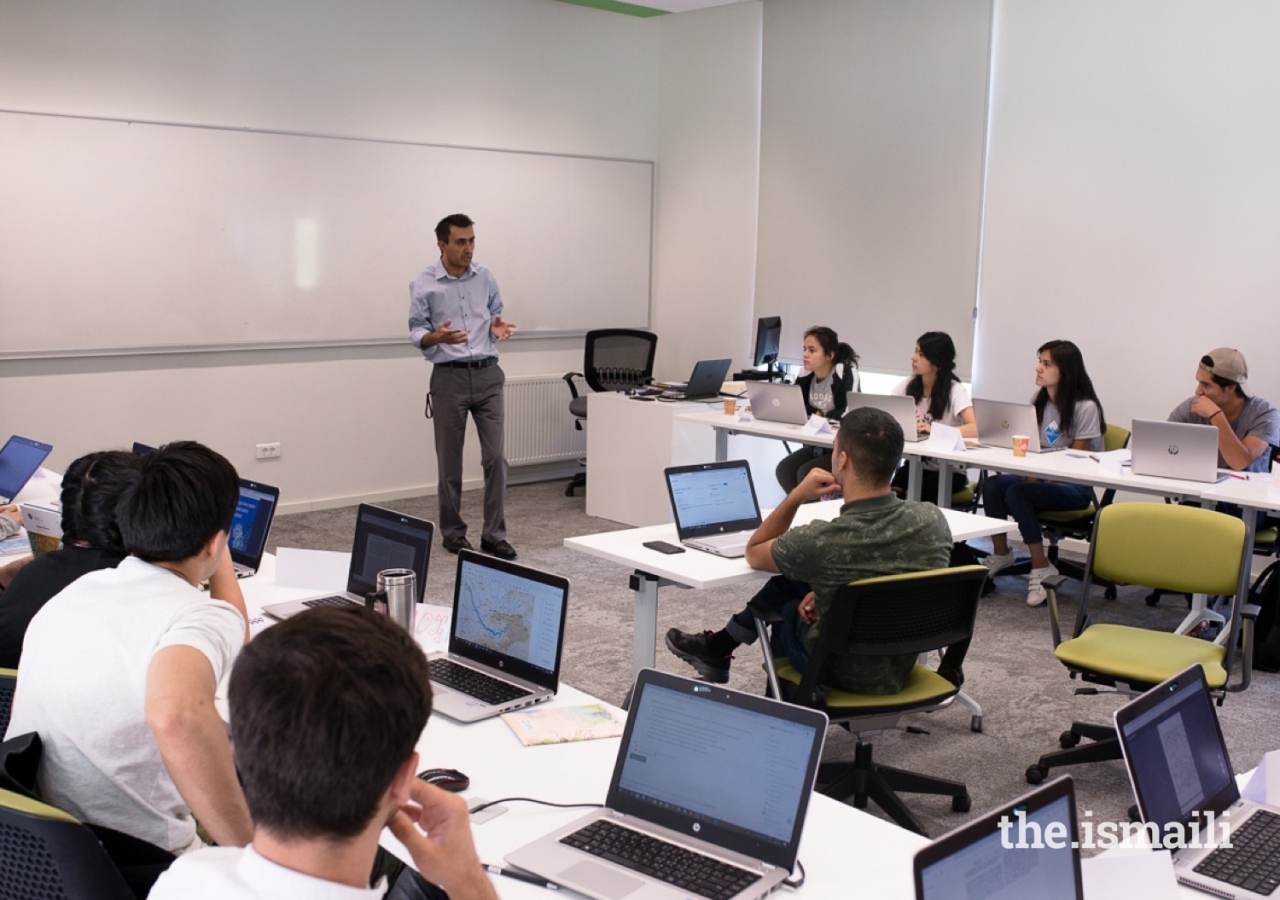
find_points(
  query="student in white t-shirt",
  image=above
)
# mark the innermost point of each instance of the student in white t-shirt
(326, 710)
(831, 374)
(119, 669)
(940, 397)
(1070, 415)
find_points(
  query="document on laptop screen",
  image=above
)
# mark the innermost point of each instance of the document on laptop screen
(741, 768)
(712, 496)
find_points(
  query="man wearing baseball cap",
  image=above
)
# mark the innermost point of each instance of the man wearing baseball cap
(1248, 426)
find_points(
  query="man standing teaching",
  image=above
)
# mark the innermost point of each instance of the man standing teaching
(455, 317)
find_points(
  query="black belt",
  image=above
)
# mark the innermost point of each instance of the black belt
(484, 363)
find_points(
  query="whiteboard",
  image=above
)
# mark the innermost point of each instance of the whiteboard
(153, 235)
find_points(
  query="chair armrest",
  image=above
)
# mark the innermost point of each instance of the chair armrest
(1248, 618)
(1051, 585)
(568, 379)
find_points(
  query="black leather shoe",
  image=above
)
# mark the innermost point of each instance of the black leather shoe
(500, 549)
(692, 648)
(453, 545)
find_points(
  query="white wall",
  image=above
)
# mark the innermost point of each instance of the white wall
(516, 74)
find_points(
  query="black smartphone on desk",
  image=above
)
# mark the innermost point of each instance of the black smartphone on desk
(664, 547)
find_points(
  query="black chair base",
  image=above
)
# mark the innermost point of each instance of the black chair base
(1103, 746)
(578, 481)
(865, 780)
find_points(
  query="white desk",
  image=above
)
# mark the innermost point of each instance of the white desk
(700, 570)
(838, 839)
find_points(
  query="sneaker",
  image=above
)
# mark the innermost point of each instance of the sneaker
(1036, 593)
(997, 562)
(453, 545)
(692, 648)
(500, 549)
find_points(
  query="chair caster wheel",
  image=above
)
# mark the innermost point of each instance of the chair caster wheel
(1036, 774)
(1152, 599)
(975, 724)
(961, 804)
(1134, 815)
(1068, 740)
(1109, 593)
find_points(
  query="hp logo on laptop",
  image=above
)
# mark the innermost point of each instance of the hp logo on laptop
(1173, 450)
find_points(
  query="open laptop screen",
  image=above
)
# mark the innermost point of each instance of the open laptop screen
(19, 460)
(504, 613)
(254, 512)
(715, 497)
(1174, 751)
(733, 769)
(387, 540)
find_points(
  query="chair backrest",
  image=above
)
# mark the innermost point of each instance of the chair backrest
(618, 358)
(912, 613)
(1115, 438)
(8, 683)
(46, 853)
(1182, 549)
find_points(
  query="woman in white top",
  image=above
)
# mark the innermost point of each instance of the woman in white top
(940, 397)
(1070, 415)
(831, 374)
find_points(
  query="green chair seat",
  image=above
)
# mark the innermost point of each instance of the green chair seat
(923, 687)
(1140, 655)
(1267, 536)
(964, 496)
(1067, 516)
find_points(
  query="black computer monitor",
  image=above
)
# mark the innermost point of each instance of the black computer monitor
(768, 335)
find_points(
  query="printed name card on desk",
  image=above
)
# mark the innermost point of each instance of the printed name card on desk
(1264, 785)
(315, 570)
(1274, 485)
(944, 438)
(817, 424)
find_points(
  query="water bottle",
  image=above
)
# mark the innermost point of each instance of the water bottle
(397, 596)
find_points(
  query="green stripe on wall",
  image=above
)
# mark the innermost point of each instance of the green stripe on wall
(627, 9)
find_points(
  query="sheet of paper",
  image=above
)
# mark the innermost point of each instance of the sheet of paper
(315, 570)
(817, 424)
(944, 438)
(563, 724)
(1264, 785)
(259, 624)
(431, 627)
(1125, 874)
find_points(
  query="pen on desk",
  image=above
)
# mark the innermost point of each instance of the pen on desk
(520, 876)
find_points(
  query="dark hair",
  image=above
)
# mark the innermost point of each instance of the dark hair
(1207, 363)
(176, 500)
(872, 439)
(457, 220)
(101, 483)
(72, 482)
(325, 707)
(830, 343)
(938, 348)
(1074, 385)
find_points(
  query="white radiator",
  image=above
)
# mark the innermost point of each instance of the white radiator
(538, 424)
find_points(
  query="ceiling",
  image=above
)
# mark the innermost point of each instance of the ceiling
(649, 7)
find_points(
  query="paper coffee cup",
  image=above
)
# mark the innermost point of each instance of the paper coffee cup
(729, 404)
(1020, 442)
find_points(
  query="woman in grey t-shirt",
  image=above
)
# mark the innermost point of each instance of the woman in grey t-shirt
(831, 373)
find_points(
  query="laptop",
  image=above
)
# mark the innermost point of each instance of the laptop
(19, 459)
(1175, 450)
(1182, 777)
(383, 540)
(998, 422)
(777, 403)
(715, 506)
(255, 511)
(505, 640)
(903, 410)
(976, 859)
(708, 779)
(705, 382)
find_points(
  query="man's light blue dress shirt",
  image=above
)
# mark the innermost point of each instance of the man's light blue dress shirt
(471, 302)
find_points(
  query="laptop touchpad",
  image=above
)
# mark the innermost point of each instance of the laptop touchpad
(600, 879)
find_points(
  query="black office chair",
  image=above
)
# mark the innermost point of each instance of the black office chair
(613, 359)
(896, 614)
(8, 683)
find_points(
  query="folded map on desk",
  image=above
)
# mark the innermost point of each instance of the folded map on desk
(563, 724)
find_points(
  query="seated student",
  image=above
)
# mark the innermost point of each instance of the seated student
(1070, 415)
(355, 691)
(940, 397)
(831, 374)
(10, 520)
(875, 534)
(91, 541)
(1248, 426)
(119, 669)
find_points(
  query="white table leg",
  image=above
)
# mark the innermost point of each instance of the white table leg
(944, 486)
(722, 444)
(914, 477)
(644, 635)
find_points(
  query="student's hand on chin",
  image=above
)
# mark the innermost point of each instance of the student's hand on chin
(446, 853)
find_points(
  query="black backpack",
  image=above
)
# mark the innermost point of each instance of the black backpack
(1265, 593)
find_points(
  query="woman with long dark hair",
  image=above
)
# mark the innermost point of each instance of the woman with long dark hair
(831, 374)
(1069, 415)
(939, 397)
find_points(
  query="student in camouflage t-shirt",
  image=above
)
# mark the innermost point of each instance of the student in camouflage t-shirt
(875, 534)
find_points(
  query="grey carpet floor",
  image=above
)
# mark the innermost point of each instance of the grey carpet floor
(1026, 697)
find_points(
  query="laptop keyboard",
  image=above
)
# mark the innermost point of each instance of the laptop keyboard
(463, 679)
(1253, 860)
(335, 600)
(660, 859)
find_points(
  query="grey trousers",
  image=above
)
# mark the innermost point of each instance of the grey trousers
(454, 393)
